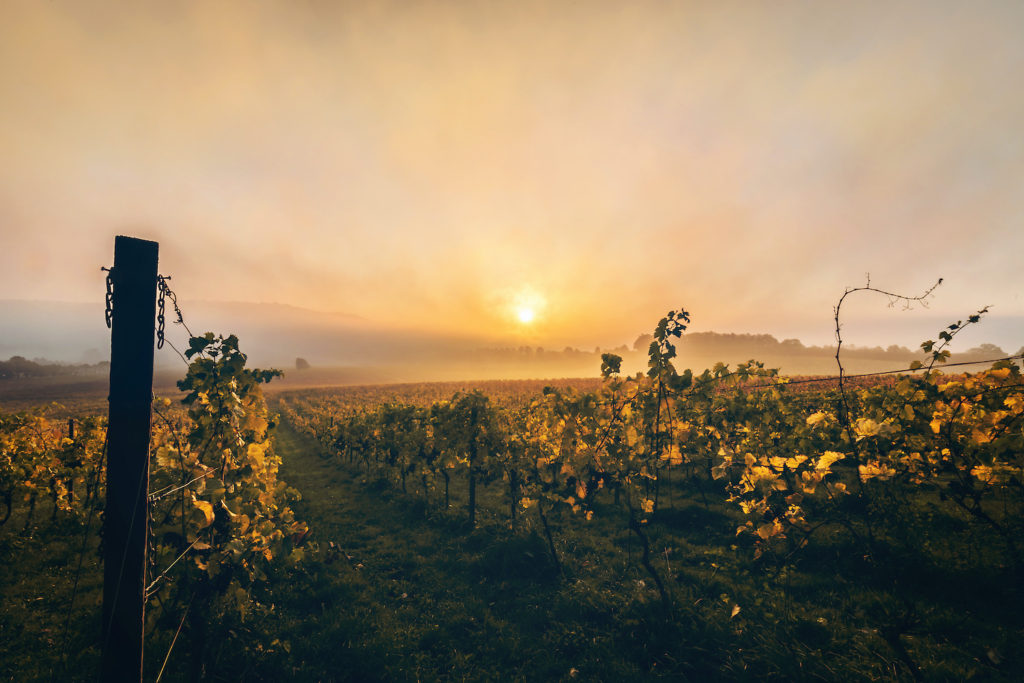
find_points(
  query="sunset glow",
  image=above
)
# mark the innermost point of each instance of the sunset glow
(414, 164)
(534, 307)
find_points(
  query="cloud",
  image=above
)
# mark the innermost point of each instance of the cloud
(408, 161)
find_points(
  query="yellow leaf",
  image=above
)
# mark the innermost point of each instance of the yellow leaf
(876, 470)
(816, 418)
(827, 459)
(866, 427)
(163, 457)
(979, 437)
(207, 510)
(674, 456)
(750, 506)
(257, 451)
(982, 472)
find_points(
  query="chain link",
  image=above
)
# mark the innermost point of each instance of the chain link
(167, 292)
(109, 313)
(162, 288)
(164, 292)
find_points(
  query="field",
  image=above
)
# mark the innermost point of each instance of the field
(511, 341)
(410, 545)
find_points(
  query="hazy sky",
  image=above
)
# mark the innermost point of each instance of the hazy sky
(437, 164)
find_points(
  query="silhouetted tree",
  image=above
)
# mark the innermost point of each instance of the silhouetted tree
(643, 342)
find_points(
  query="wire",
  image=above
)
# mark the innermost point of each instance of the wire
(163, 493)
(180, 354)
(149, 588)
(882, 373)
(175, 639)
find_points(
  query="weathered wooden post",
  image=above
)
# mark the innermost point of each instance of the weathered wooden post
(133, 303)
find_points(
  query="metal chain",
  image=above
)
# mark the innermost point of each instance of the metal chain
(162, 288)
(167, 292)
(164, 292)
(109, 314)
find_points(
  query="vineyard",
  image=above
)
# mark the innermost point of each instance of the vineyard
(726, 525)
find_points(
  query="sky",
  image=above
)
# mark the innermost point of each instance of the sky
(458, 167)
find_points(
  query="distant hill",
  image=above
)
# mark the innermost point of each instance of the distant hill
(361, 351)
(700, 350)
(270, 333)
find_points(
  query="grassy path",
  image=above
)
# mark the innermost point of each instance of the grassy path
(402, 597)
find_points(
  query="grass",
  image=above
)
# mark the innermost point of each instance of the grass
(38, 563)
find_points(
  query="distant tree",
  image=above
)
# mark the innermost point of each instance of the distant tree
(643, 342)
(897, 350)
(301, 364)
(19, 366)
(987, 351)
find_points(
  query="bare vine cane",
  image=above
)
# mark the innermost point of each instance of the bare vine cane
(908, 301)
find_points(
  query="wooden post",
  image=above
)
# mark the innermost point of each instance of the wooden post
(131, 398)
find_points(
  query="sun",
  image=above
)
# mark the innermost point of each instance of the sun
(524, 308)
